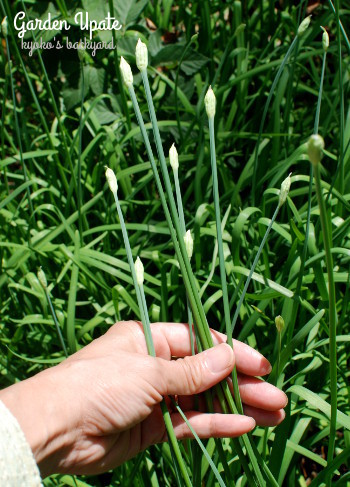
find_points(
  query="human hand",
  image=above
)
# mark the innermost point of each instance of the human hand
(101, 406)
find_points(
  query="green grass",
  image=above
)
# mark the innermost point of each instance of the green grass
(61, 119)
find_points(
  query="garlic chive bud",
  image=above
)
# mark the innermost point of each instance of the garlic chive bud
(42, 278)
(325, 39)
(174, 158)
(285, 187)
(112, 180)
(304, 25)
(141, 55)
(126, 72)
(81, 50)
(279, 322)
(139, 271)
(4, 27)
(210, 103)
(315, 148)
(188, 244)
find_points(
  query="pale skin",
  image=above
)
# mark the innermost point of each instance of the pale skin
(101, 406)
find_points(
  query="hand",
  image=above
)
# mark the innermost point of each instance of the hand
(101, 406)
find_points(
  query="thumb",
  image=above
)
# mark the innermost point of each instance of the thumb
(197, 373)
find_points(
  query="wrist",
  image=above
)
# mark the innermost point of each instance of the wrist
(41, 414)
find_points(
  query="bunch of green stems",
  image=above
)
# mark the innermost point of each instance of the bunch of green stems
(175, 220)
(137, 273)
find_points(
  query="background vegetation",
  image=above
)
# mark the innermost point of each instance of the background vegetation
(63, 119)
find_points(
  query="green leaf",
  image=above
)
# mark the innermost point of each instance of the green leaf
(321, 404)
(128, 12)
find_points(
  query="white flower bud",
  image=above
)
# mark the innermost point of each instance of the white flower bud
(174, 158)
(315, 148)
(285, 187)
(81, 50)
(42, 278)
(188, 244)
(4, 27)
(139, 271)
(304, 25)
(279, 322)
(141, 55)
(325, 39)
(210, 103)
(126, 72)
(112, 180)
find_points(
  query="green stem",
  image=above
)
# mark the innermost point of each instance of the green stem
(179, 202)
(183, 228)
(267, 104)
(318, 108)
(79, 195)
(197, 308)
(173, 220)
(222, 259)
(141, 299)
(64, 348)
(234, 321)
(332, 313)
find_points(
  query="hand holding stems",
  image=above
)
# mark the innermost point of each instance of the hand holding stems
(101, 406)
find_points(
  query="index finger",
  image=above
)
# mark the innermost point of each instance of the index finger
(173, 340)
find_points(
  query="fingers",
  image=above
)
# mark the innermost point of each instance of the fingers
(173, 340)
(212, 425)
(170, 339)
(254, 393)
(265, 418)
(250, 361)
(259, 394)
(195, 374)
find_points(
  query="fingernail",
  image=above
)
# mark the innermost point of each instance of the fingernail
(267, 368)
(219, 358)
(252, 422)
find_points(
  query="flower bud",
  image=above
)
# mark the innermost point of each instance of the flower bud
(4, 27)
(315, 148)
(42, 278)
(141, 55)
(279, 322)
(81, 51)
(139, 271)
(325, 39)
(285, 187)
(188, 244)
(174, 158)
(210, 103)
(303, 26)
(126, 72)
(112, 180)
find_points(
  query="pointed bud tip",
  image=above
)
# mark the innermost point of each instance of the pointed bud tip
(188, 244)
(174, 158)
(210, 103)
(139, 271)
(285, 187)
(141, 55)
(315, 148)
(126, 72)
(111, 179)
(42, 277)
(279, 322)
(303, 26)
(4, 27)
(325, 39)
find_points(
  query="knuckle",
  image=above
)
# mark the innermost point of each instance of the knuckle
(193, 374)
